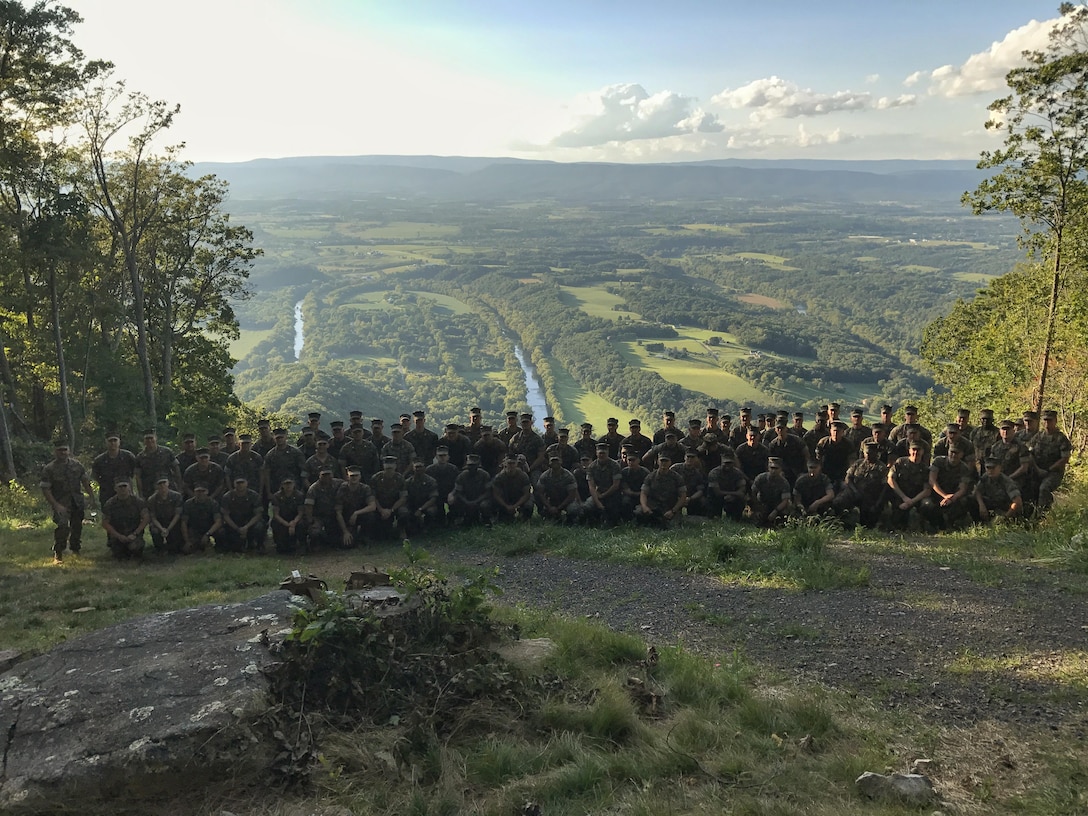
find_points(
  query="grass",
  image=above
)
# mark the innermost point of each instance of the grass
(247, 341)
(797, 558)
(700, 374)
(601, 729)
(596, 301)
(576, 403)
(763, 300)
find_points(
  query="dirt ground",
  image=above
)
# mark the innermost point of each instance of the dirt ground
(920, 636)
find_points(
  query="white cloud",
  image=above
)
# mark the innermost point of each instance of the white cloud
(776, 98)
(757, 139)
(872, 79)
(901, 101)
(627, 112)
(984, 72)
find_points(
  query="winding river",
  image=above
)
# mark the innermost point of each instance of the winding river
(533, 389)
(299, 337)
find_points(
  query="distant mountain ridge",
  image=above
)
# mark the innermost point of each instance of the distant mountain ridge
(483, 179)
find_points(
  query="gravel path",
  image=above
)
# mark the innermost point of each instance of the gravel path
(897, 641)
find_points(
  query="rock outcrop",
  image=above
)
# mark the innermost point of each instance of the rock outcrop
(150, 706)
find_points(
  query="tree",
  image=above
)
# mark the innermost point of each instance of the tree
(127, 185)
(1044, 162)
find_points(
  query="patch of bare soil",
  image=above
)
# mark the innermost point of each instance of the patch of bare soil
(920, 636)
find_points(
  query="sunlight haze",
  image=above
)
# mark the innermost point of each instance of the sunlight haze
(566, 81)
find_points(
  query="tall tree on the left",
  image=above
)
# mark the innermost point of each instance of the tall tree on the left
(41, 72)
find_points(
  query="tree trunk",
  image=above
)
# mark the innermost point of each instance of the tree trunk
(8, 461)
(167, 340)
(1051, 324)
(62, 368)
(141, 339)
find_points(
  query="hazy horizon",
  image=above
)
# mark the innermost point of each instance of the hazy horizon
(639, 82)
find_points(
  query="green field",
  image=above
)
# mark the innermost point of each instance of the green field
(974, 277)
(577, 405)
(401, 231)
(247, 341)
(699, 375)
(596, 301)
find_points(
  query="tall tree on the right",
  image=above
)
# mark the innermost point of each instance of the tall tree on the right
(1043, 163)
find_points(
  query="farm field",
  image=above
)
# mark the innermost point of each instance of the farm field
(596, 301)
(247, 341)
(577, 405)
(695, 375)
(741, 266)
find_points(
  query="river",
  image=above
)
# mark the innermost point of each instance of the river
(299, 337)
(533, 389)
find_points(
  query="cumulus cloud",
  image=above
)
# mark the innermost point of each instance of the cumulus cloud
(776, 98)
(984, 72)
(627, 112)
(758, 139)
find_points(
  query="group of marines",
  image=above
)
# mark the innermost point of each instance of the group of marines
(356, 484)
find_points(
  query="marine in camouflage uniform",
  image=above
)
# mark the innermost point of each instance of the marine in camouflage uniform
(205, 472)
(400, 449)
(662, 496)
(566, 452)
(187, 455)
(613, 438)
(507, 433)
(727, 490)
(997, 495)
(355, 508)
(528, 443)
(984, 435)
(471, 500)
(320, 510)
(244, 525)
(1016, 462)
(164, 518)
(124, 518)
(858, 431)
(63, 482)
(491, 450)
(201, 520)
(110, 466)
(511, 493)
(950, 482)
(284, 462)
(908, 481)
(864, 488)
(812, 492)
(1050, 449)
(154, 461)
(288, 520)
(247, 464)
(392, 497)
(691, 471)
(790, 449)
(424, 504)
(360, 453)
(771, 496)
(557, 492)
(323, 459)
(586, 445)
(423, 439)
(668, 420)
(603, 476)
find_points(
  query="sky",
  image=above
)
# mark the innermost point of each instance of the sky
(570, 80)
